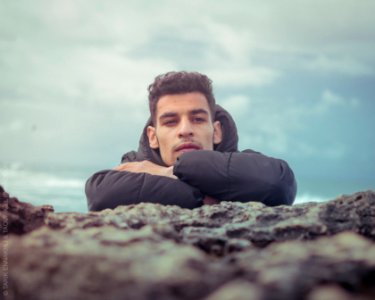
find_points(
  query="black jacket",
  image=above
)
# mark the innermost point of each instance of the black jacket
(225, 174)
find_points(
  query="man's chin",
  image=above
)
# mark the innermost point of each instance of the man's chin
(187, 150)
(182, 151)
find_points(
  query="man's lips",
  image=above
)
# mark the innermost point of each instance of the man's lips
(188, 147)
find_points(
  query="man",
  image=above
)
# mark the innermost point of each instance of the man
(188, 156)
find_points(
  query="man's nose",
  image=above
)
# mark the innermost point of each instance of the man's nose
(185, 129)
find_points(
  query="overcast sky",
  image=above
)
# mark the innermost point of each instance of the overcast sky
(298, 77)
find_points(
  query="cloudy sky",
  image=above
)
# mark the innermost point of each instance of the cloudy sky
(298, 77)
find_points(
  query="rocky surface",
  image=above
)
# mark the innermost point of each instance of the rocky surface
(20, 217)
(313, 251)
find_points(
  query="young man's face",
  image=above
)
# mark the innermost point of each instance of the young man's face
(183, 123)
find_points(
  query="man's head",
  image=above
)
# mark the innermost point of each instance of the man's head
(182, 108)
(172, 83)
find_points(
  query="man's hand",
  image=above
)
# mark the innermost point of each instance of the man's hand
(207, 200)
(146, 166)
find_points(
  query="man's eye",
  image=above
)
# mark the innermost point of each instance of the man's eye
(199, 120)
(170, 122)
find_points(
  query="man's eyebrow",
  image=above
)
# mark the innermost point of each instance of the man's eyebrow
(192, 112)
(199, 111)
(168, 115)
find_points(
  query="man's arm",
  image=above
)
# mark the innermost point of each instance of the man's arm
(146, 166)
(111, 188)
(238, 176)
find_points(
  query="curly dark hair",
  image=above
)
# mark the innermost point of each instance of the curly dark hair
(179, 83)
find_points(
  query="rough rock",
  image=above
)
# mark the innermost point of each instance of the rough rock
(20, 217)
(310, 251)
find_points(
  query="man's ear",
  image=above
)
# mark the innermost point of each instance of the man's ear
(152, 138)
(218, 132)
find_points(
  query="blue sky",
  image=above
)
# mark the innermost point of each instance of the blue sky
(298, 77)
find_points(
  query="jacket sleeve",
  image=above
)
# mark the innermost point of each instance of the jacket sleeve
(110, 188)
(238, 176)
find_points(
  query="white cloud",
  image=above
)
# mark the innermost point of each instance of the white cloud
(271, 125)
(334, 150)
(330, 100)
(345, 66)
(76, 47)
(238, 105)
(232, 41)
(112, 77)
(88, 75)
(250, 76)
(16, 125)
(89, 63)
(327, 101)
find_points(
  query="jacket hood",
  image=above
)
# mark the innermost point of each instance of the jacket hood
(228, 144)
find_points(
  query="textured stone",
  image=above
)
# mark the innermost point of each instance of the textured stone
(226, 251)
(107, 264)
(233, 226)
(20, 217)
(291, 270)
(333, 292)
(237, 290)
